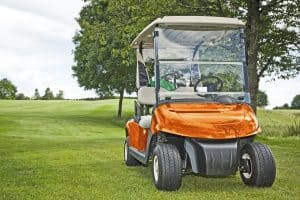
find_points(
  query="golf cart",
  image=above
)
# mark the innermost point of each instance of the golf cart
(192, 113)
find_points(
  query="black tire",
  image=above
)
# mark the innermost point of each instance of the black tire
(257, 165)
(166, 167)
(128, 158)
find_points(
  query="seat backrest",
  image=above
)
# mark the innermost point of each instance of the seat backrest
(146, 96)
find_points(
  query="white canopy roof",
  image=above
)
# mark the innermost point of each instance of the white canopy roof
(184, 21)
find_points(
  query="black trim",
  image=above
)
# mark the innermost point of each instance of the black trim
(141, 47)
(137, 111)
(142, 73)
(245, 68)
(156, 63)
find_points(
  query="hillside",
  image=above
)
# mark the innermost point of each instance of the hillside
(73, 150)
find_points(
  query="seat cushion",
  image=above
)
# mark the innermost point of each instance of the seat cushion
(145, 121)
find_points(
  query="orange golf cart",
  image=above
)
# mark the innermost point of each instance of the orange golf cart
(192, 113)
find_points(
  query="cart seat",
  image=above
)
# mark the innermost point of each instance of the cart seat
(146, 96)
(145, 121)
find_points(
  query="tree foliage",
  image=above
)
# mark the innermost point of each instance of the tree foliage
(48, 94)
(60, 95)
(36, 95)
(296, 102)
(262, 99)
(105, 62)
(272, 35)
(7, 89)
(21, 96)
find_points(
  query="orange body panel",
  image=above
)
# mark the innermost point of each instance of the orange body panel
(137, 135)
(205, 120)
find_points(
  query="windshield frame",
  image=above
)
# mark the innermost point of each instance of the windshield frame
(157, 68)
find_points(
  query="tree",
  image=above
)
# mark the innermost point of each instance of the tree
(285, 106)
(272, 36)
(48, 94)
(7, 89)
(36, 95)
(21, 96)
(105, 62)
(296, 102)
(272, 40)
(60, 95)
(262, 99)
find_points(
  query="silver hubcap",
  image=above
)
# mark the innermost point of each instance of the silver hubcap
(125, 151)
(155, 168)
(247, 159)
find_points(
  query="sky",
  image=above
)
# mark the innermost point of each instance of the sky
(36, 50)
(36, 45)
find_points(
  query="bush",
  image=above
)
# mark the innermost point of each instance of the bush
(21, 96)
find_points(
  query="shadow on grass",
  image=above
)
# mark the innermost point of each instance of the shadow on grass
(193, 182)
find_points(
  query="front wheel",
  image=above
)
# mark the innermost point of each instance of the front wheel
(128, 158)
(257, 165)
(166, 167)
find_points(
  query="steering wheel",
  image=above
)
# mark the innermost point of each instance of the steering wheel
(212, 86)
(172, 74)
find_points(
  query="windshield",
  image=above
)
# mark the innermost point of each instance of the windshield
(201, 64)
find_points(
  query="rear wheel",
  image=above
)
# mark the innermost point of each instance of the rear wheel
(128, 158)
(257, 165)
(166, 167)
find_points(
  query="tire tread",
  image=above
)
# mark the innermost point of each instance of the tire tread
(170, 164)
(264, 169)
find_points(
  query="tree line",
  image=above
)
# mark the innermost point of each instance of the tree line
(9, 91)
(295, 104)
(262, 101)
(105, 62)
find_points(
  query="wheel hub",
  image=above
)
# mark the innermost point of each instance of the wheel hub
(246, 166)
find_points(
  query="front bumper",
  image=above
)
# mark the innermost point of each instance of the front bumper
(213, 157)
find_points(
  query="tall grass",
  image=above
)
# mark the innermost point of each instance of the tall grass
(294, 129)
(283, 123)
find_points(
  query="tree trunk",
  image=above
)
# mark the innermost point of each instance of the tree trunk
(252, 31)
(120, 103)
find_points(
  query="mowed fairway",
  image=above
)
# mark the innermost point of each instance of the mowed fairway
(74, 150)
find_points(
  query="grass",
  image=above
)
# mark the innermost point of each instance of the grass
(280, 122)
(73, 150)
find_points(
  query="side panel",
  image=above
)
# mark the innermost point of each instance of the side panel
(137, 135)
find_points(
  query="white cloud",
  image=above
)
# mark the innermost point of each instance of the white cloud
(61, 11)
(36, 45)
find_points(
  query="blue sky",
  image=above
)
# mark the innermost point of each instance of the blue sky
(36, 50)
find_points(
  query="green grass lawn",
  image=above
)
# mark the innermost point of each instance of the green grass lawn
(73, 150)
